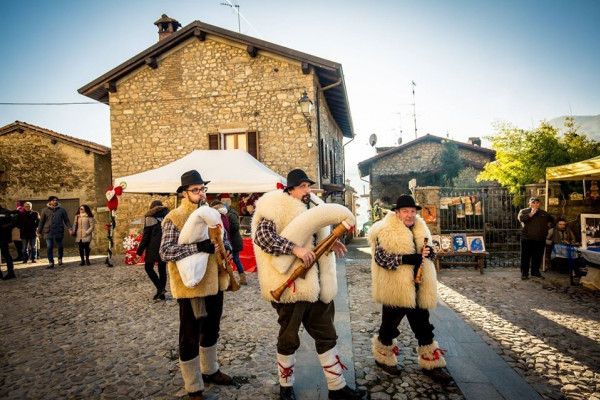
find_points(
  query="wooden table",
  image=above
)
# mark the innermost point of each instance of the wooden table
(479, 261)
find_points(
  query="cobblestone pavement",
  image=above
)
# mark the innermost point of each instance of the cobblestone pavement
(94, 333)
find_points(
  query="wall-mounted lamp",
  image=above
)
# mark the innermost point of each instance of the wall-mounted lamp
(305, 107)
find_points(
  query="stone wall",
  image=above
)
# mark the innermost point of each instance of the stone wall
(207, 87)
(390, 174)
(35, 168)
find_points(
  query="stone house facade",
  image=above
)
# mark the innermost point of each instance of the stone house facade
(36, 163)
(390, 171)
(204, 87)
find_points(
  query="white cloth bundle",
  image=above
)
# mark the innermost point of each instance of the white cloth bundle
(301, 229)
(192, 268)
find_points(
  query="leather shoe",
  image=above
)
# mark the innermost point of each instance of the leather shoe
(196, 396)
(390, 369)
(51, 266)
(286, 393)
(438, 374)
(60, 263)
(218, 378)
(346, 393)
(9, 276)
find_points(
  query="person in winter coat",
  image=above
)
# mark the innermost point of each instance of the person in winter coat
(535, 224)
(28, 222)
(310, 302)
(82, 230)
(52, 222)
(151, 244)
(237, 243)
(201, 307)
(8, 220)
(397, 245)
(232, 227)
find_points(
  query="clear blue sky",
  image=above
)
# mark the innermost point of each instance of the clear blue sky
(473, 61)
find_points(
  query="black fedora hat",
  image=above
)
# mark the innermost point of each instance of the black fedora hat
(191, 178)
(296, 177)
(405, 201)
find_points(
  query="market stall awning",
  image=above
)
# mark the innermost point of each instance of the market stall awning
(229, 171)
(586, 169)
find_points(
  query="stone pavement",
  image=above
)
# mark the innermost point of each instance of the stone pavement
(94, 333)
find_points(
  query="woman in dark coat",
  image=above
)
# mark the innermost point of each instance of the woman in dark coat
(151, 243)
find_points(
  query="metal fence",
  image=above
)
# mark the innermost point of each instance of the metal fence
(489, 212)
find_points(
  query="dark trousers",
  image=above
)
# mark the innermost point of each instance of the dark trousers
(418, 319)
(532, 252)
(84, 250)
(317, 319)
(160, 280)
(204, 332)
(19, 247)
(6, 254)
(59, 244)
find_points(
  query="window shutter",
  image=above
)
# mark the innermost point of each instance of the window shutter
(252, 143)
(214, 141)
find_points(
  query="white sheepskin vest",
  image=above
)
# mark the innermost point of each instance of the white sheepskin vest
(212, 282)
(396, 288)
(320, 283)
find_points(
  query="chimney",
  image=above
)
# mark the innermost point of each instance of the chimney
(166, 26)
(475, 141)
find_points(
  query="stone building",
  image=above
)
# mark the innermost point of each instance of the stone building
(391, 169)
(36, 163)
(202, 87)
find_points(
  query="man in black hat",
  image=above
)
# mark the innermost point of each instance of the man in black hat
(200, 308)
(535, 223)
(397, 244)
(309, 302)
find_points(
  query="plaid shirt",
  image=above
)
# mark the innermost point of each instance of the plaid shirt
(170, 250)
(266, 238)
(386, 260)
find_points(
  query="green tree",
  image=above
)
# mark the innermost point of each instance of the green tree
(450, 162)
(522, 156)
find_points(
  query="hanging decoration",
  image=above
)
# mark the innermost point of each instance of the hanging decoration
(112, 203)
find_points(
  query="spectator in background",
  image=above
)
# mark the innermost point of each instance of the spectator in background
(8, 220)
(237, 243)
(83, 230)
(51, 227)
(28, 222)
(151, 244)
(561, 256)
(560, 234)
(535, 223)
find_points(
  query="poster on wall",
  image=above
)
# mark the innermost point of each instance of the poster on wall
(435, 243)
(429, 213)
(445, 243)
(478, 208)
(460, 211)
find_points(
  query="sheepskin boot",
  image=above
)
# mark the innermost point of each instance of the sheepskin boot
(210, 367)
(385, 356)
(336, 383)
(285, 371)
(432, 362)
(190, 371)
(243, 280)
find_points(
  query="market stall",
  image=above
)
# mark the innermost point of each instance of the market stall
(229, 171)
(586, 170)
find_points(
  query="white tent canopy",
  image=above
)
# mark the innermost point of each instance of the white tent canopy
(229, 171)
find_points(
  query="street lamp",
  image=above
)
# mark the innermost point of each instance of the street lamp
(305, 107)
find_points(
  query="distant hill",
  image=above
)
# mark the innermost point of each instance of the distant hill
(590, 125)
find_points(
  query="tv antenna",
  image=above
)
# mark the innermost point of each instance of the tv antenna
(237, 10)
(414, 107)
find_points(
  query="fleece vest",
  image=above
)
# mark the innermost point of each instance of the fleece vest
(211, 283)
(320, 282)
(396, 288)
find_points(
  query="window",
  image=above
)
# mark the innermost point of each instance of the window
(247, 141)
